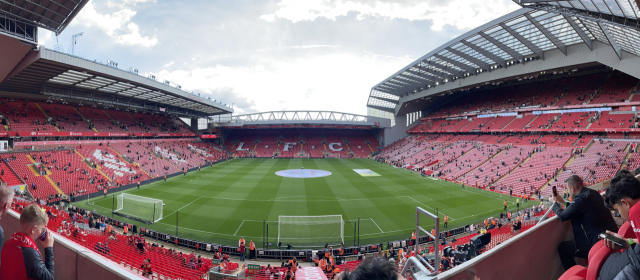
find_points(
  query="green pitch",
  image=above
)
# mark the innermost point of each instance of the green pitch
(231, 199)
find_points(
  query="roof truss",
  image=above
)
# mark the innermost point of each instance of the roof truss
(559, 44)
(488, 54)
(531, 46)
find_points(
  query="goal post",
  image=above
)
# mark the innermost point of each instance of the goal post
(310, 231)
(145, 209)
(330, 155)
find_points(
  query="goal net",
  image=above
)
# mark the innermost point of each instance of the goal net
(140, 208)
(310, 231)
(330, 155)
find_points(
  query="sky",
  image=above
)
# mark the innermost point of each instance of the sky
(273, 54)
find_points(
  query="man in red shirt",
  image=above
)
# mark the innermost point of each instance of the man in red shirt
(241, 250)
(623, 195)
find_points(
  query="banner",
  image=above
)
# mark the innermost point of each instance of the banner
(70, 134)
(8, 133)
(174, 134)
(95, 134)
(46, 143)
(208, 136)
(310, 273)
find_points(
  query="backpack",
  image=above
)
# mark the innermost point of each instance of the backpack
(632, 270)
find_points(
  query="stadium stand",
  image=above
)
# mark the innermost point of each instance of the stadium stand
(497, 123)
(125, 121)
(609, 120)
(470, 160)
(100, 119)
(7, 176)
(70, 173)
(39, 185)
(25, 116)
(149, 161)
(520, 123)
(345, 143)
(534, 172)
(558, 140)
(66, 117)
(110, 163)
(498, 166)
(598, 163)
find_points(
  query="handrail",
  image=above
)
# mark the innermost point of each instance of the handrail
(416, 265)
(543, 217)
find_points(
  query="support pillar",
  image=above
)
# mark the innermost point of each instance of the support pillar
(194, 124)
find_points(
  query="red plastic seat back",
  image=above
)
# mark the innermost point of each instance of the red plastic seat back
(596, 261)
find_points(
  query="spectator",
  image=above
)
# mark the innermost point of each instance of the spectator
(372, 268)
(140, 242)
(146, 268)
(289, 274)
(623, 195)
(241, 250)
(6, 197)
(589, 217)
(23, 260)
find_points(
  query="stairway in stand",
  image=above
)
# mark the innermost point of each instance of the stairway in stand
(55, 186)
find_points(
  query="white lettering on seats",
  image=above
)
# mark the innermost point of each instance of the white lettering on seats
(240, 147)
(287, 146)
(331, 146)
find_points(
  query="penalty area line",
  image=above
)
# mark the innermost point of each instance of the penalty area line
(374, 222)
(181, 208)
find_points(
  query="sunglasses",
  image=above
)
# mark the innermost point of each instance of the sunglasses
(43, 236)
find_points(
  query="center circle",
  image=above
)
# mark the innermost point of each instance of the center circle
(303, 173)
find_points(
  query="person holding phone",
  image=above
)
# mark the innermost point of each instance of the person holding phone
(21, 258)
(589, 217)
(623, 195)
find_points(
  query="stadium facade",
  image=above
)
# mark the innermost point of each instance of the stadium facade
(542, 38)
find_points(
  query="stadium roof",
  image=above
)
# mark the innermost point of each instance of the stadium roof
(516, 38)
(75, 79)
(52, 15)
(616, 11)
(305, 117)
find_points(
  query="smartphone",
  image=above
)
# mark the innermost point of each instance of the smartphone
(555, 191)
(618, 241)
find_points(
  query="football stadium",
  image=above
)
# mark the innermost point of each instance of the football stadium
(508, 152)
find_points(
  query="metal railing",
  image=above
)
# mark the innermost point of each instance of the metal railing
(417, 266)
(544, 217)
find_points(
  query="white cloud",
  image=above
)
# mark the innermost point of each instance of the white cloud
(117, 25)
(44, 38)
(462, 14)
(134, 38)
(169, 64)
(338, 81)
(125, 3)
